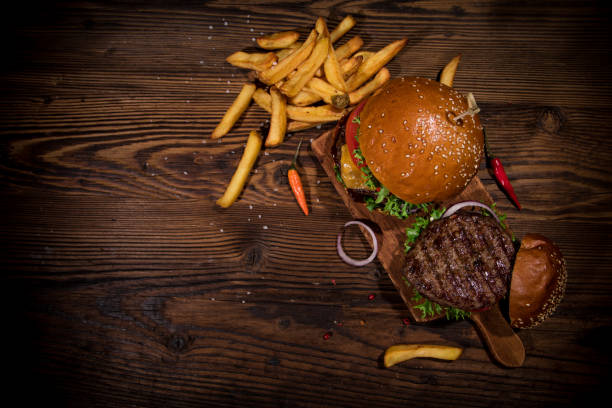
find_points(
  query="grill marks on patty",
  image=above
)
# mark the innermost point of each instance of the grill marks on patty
(464, 261)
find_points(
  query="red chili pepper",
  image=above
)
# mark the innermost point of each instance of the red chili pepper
(296, 182)
(500, 174)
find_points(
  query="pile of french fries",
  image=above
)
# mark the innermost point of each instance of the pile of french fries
(302, 85)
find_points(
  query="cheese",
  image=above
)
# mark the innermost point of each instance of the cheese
(350, 173)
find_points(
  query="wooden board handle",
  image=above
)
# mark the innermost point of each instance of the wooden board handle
(503, 344)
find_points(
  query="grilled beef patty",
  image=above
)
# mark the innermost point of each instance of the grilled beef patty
(464, 261)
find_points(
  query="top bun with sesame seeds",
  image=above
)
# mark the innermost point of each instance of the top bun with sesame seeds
(538, 281)
(413, 142)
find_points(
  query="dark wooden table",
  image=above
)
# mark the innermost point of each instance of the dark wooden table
(124, 285)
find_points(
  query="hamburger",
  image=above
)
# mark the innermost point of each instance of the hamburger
(416, 140)
(411, 148)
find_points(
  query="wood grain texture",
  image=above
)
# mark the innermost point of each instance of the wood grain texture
(124, 285)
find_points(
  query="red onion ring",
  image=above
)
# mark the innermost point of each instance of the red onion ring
(348, 259)
(456, 207)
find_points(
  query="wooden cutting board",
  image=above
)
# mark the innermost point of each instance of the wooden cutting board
(505, 346)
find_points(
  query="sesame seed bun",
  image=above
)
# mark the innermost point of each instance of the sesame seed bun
(413, 145)
(538, 281)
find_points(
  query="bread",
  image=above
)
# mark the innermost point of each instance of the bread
(412, 143)
(538, 281)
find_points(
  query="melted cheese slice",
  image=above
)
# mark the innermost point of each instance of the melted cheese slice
(350, 173)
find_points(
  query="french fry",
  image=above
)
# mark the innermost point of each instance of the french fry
(296, 126)
(234, 112)
(307, 69)
(349, 65)
(374, 63)
(364, 54)
(349, 48)
(285, 52)
(236, 184)
(254, 61)
(282, 39)
(345, 25)
(278, 121)
(402, 352)
(279, 71)
(448, 73)
(321, 27)
(304, 98)
(307, 114)
(314, 114)
(263, 99)
(333, 71)
(327, 92)
(379, 79)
